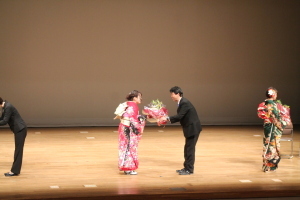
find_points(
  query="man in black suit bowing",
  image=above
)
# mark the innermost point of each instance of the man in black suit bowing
(189, 120)
(11, 116)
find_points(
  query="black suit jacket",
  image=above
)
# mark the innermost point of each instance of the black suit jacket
(11, 116)
(188, 118)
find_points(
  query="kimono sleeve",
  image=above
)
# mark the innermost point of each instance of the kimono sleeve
(284, 113)
(262, 111)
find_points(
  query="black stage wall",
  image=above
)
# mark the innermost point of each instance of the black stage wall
(71, 62)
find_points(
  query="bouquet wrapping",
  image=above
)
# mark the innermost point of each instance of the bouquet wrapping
(154, 111)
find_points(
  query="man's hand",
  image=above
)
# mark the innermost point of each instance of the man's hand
(162, 120)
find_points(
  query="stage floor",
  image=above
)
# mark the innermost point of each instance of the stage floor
(81, 163)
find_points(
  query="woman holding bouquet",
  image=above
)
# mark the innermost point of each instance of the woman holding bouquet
(130, 130)
(274, 122)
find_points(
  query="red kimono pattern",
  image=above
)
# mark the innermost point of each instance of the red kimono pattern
(130, 133)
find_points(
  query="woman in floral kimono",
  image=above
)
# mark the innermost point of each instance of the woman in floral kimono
(273, 127)
(130, 130)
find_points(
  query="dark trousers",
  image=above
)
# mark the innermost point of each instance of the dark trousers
(189, 152)
(19, 146)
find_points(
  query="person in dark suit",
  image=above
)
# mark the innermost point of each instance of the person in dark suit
(189, 120)
(11, 116)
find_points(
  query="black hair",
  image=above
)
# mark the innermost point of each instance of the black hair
(267, 92)
(1, 100)
(132, 94)
(176, 90)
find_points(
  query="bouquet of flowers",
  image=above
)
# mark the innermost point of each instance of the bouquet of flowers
(155, 110)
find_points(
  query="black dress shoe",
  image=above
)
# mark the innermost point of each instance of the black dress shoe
(185, 172)
(180, 170)
(10, 174)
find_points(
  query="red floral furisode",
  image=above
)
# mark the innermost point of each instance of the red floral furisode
(128, 138)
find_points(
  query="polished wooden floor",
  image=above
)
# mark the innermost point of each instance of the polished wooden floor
(81, 163)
